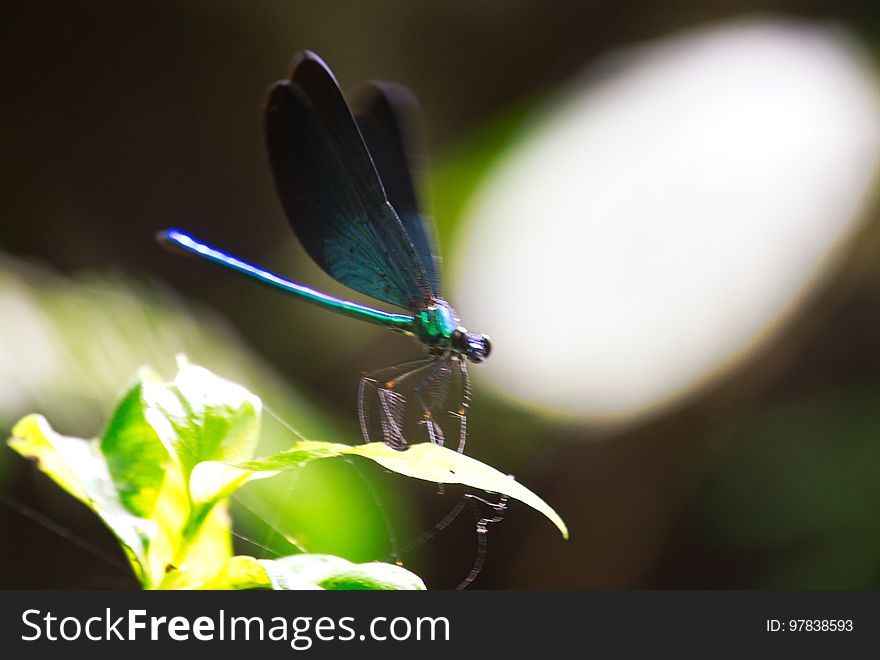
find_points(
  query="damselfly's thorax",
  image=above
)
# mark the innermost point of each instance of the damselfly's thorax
(437, 327)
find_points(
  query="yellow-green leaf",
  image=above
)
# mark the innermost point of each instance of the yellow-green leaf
(78, 466)
(421, 461)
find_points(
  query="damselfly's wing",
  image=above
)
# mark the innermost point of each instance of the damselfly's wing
(331, 192)
(386, 115)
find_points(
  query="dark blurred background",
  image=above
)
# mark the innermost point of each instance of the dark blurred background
(120, 119)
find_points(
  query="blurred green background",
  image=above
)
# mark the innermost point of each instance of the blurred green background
(120, 119)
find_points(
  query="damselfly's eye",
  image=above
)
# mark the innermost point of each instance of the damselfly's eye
(478, 347)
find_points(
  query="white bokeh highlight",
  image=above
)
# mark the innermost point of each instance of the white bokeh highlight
(666, 217)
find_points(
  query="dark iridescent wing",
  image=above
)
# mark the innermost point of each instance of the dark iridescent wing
(385, 115)
(331, 192)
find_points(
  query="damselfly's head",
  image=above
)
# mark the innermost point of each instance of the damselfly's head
(437, 327)
(474, 347)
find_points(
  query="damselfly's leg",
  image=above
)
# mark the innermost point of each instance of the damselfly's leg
(492, 512)
(431, 392)
(464, 404)
(391, 403)
(375, 380)
(438, 526)
(483, 523)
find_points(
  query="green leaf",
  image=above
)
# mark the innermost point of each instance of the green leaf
(137, 459)
(147, 477)
(162, 427)
(158, 433)
(202, 417)
(136, 477)
(312, 571)
(425, 461)
(197, 417)
(78, 466)
(329, 572)
(211, 481)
